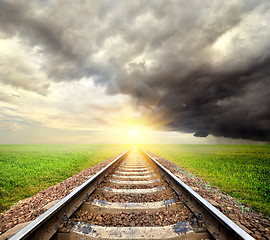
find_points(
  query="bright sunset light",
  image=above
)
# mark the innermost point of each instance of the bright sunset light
(133, 133)
(138, 134)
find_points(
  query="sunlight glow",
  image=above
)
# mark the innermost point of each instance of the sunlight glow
(137, 133)
(131, 123)
(133, 133)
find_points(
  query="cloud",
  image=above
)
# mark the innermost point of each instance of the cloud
(4, 97)
(10, 126)
(201, 66)
(19, 67)
(71, 106)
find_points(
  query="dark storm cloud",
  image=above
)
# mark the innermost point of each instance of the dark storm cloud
(230, 105)
(202, 65)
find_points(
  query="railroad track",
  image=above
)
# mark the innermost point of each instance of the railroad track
(134, 197)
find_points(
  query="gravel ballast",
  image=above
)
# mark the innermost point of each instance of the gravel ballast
(142, 219)
(137, 198)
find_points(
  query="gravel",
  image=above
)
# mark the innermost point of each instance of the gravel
(135, 198)
(142, 219)
(252, 222)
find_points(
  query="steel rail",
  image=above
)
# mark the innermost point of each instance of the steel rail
(57, 209)
(229, 231)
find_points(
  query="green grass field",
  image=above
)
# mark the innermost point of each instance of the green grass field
(240, 170)
(28, 169)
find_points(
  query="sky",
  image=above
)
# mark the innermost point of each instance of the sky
(134, 71)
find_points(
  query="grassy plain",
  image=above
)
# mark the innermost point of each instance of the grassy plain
(240, 170)
(28, 169)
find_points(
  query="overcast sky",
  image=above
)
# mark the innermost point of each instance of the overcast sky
(91, 71)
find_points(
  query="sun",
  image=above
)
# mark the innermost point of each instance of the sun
(133, 133)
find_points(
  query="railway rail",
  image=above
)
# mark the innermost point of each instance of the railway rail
(134, 197)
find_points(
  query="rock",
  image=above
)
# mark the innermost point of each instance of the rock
(212, 202)
(13, 230)
(244, 228)
(49, 205)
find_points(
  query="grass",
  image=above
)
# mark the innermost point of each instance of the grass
(243, 171)
(27, 169)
